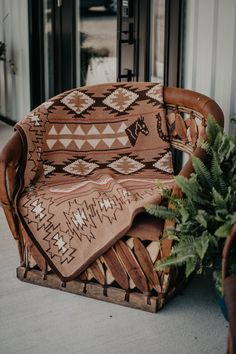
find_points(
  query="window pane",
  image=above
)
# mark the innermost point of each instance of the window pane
(158, 38)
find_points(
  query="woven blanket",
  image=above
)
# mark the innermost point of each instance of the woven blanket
(92, 158)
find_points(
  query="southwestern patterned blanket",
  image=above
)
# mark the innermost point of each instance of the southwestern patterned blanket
(93, 156)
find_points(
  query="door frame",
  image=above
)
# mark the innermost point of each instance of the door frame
(64, 48)
(64, 44)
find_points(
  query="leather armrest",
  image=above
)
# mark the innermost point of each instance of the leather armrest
(9, 160)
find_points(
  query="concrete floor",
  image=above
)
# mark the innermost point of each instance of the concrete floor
(36, 320)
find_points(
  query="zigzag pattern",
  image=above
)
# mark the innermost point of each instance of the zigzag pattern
(93, 156)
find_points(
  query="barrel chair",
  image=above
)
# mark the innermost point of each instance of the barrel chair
(75, 178)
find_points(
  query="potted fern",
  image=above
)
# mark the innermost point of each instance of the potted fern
(206, 213)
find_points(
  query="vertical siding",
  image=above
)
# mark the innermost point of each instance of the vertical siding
(15, 89)
(210, 60)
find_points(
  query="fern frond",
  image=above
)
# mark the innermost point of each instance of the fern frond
(216, 170)
(172, 261)
(189, 187)
(205, 146)
(162, 212)
(212, 129)
(202, 171)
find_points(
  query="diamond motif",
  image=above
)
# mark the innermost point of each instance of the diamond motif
(80, 167)
(126, 165)
(60, 243)
(120, 99)
(77, 101)
(79, 219)
(38, 209)
(156, 93)
(35, 119)
(106, 203)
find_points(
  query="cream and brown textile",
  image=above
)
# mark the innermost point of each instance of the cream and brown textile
(93, 156)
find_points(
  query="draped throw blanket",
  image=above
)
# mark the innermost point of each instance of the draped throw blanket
(93, 157)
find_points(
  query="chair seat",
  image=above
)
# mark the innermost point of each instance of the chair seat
(72, 222)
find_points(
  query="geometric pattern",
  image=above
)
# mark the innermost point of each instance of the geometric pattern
(60, 243)
(35, 119)
(125, 165)
(80, 167)
(38, 209)
(84, 130)
(48, 169)
(156, 93)
(120, 99)
(88, 136)
(106, 203)
(164, 163)
(88, 144)
(91, 166)
(77, 101)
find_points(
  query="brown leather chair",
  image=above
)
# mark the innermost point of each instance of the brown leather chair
(133, 128)
(229, 285)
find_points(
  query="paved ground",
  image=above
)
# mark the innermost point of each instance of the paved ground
(37, 320)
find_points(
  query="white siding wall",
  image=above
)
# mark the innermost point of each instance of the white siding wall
(210, 52)
(14, 89)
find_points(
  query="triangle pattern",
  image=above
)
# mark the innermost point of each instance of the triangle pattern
(79, 143)
(65, 131)
(123, 140)
(109, 141)
(122, 128)
(65, 142)
(93, 131)
(79, 131)
(47, 104)
(52, 131)
(165, 163)
(108, 130)
(48, 169)
(93, 142)
(51, 143)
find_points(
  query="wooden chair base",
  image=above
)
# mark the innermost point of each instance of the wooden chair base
(114, 295)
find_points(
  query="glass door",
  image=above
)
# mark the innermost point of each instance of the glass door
(96, 27)
(83, 42)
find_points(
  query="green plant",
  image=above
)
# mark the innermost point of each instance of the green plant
(4, 58)
(206, 212)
